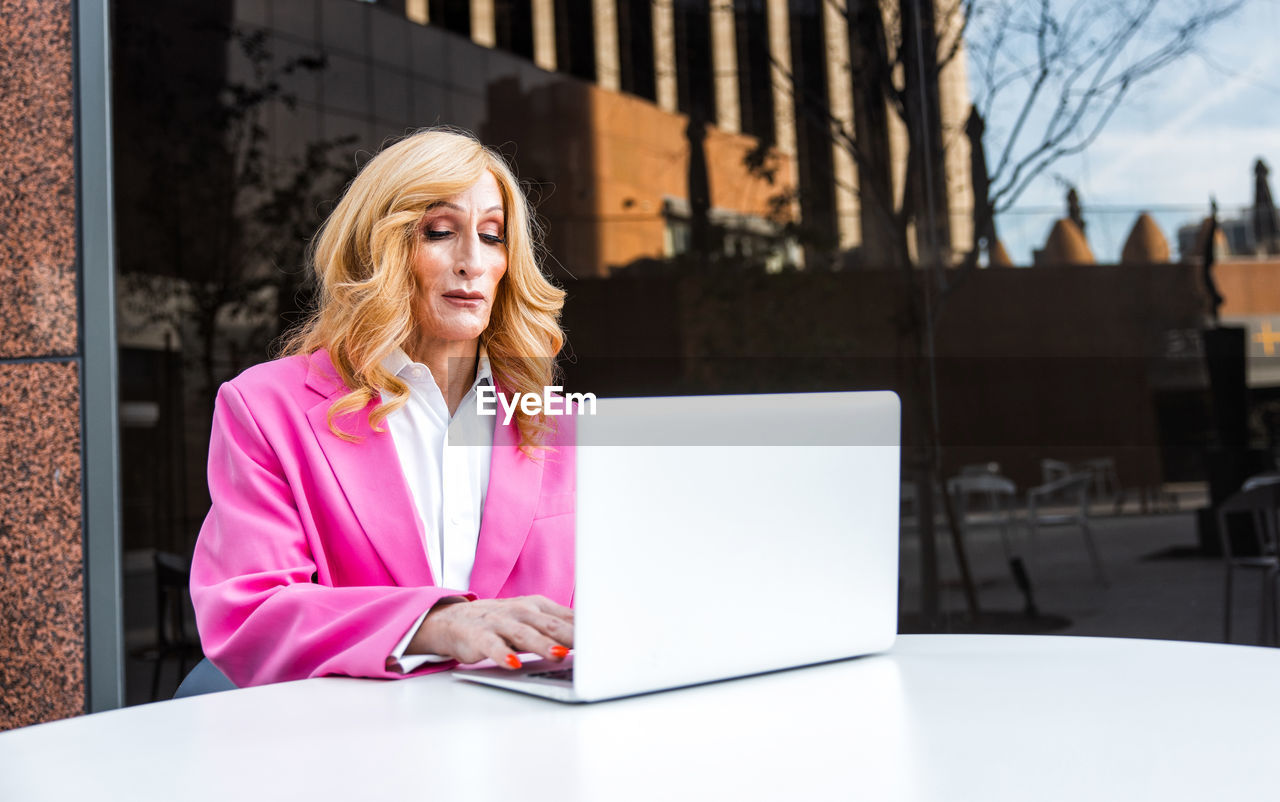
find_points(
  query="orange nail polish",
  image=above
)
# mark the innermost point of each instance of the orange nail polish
(513, 661)
(559, 651)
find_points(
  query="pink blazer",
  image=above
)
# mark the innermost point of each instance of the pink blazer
(311, 561)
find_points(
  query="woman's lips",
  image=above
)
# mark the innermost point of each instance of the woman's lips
(465, 300)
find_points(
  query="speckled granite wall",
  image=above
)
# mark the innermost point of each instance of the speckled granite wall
(42, 633)
(42, 595)
(37, 181)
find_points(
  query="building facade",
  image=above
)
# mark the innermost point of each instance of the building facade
(631, 117)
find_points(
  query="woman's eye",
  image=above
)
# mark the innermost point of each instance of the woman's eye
(437, 233)
(494, 239)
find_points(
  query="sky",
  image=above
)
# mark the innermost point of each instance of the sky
(1191, 131)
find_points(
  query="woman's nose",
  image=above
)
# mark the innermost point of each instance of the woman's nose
(470, 257)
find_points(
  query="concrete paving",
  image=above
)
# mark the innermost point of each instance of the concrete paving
(1158, 585)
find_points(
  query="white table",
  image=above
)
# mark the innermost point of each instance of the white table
(942, 717)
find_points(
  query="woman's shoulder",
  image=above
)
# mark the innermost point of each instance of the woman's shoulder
(276, 374)
(299, 377)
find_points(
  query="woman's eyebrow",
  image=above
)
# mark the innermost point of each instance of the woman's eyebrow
(455, 207)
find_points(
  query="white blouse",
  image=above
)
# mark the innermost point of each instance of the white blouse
(445, 460)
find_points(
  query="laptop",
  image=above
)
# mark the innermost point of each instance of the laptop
(724, 536)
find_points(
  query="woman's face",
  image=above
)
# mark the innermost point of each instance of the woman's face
(462, 255)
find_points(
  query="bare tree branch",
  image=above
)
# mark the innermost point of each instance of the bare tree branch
(1041, 79)
(1053, 135)
(1013, 191)
(1100, 43)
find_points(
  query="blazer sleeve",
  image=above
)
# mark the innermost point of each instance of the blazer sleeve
(262, 618)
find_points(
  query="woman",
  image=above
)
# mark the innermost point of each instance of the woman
(350, 533)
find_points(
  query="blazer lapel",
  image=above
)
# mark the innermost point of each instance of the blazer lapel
(515, 482)
(369, 472)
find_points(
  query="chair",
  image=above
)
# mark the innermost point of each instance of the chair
(998, 498)
(909, 504)
(172, 576)
(1106, 482)
(1259, 498)
(1071, 493)
(1053, 469)
(997, 495)
(1265, 478)
(204, 678)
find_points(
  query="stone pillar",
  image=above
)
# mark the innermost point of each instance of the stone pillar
(954, 103)
(483, 25)
(544, 34)
(605, 23)
(664, 55)
(784, 109)
(724, 66)
(835, 26)
(42, 558)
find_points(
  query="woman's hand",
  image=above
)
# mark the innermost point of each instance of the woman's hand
(496, 629)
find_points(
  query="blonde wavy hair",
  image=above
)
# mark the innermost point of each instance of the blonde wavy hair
(363, 257)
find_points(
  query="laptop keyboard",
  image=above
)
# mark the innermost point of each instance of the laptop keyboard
(564, 674)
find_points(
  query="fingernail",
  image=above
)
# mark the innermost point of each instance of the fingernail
(559, 651)
(513, 661)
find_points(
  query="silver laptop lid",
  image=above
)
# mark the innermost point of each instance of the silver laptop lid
(720, 536)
